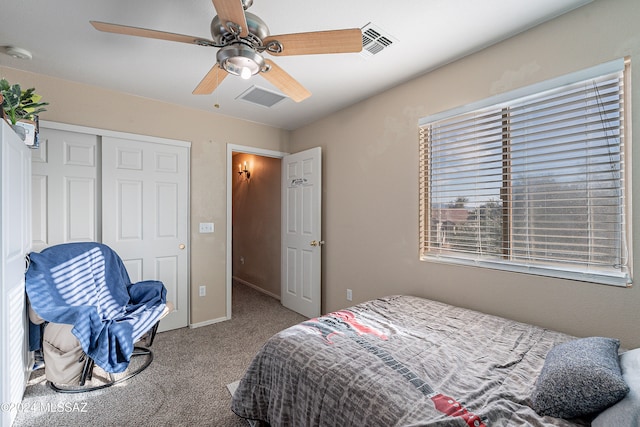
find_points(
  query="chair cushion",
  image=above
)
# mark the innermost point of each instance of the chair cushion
(63, 355)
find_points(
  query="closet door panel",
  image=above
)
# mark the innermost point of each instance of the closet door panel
(80, 209)
(145, 195)
(66, 184)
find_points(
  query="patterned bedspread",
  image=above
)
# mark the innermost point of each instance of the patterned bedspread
(399, 361)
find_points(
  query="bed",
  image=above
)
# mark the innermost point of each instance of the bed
(408, 361)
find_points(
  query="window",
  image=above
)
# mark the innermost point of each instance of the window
(531, 181)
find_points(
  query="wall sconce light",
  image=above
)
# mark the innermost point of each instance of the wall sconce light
(244, 171)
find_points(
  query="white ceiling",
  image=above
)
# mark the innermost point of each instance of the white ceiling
(427, 33)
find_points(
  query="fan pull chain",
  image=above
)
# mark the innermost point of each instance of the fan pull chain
(217, 105)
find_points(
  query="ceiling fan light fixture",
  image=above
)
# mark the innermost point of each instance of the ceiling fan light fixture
(240, 60)
(245, 73)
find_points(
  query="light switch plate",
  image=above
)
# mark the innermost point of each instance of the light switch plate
(206, 227)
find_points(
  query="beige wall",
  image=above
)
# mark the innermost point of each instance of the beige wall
(208, 132)
(371, 181)
(256, 222)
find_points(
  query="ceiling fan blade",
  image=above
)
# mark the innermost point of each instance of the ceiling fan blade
(211, 81)
(317, 42)
(152, 34)
(232, 11)
(283, 81)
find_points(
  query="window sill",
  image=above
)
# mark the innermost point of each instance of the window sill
(611, 279)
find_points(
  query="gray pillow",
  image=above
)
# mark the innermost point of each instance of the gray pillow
(578, 378)
(625, 413)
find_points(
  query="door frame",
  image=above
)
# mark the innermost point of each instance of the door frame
(244, 149)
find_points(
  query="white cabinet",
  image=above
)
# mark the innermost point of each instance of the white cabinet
(15, 238)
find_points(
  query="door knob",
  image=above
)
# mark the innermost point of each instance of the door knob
(181, 246)
(316, 243)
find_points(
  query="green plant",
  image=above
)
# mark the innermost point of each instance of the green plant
(18, 104)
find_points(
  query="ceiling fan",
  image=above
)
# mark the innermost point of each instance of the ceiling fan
(242, 38)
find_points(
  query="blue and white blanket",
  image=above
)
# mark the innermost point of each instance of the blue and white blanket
(87, 285)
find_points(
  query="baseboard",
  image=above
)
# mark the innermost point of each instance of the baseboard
(257, 288)
(207, 322)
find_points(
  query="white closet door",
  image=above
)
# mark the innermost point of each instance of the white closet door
(145, 199)
(66, 189)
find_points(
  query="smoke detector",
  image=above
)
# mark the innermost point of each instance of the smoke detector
(18, 52)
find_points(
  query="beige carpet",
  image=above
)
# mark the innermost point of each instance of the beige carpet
(185, 385)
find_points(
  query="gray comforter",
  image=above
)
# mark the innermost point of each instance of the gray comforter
(399, 361)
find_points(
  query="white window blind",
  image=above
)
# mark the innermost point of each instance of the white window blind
(533, 184)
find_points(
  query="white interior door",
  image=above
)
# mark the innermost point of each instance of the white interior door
(301, 231)
(145, 207)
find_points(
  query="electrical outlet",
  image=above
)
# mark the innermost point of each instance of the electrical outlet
(203, 290)
(349, 295)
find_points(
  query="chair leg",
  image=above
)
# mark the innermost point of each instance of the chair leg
(88, 369)
(151, 335)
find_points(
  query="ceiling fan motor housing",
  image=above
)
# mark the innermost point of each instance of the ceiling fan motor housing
(223, 34)
(240, 60)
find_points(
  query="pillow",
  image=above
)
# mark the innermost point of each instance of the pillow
(578, 378)
(625, 413)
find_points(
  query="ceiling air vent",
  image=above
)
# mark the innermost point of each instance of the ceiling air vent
(375, 40)
(262, 97)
